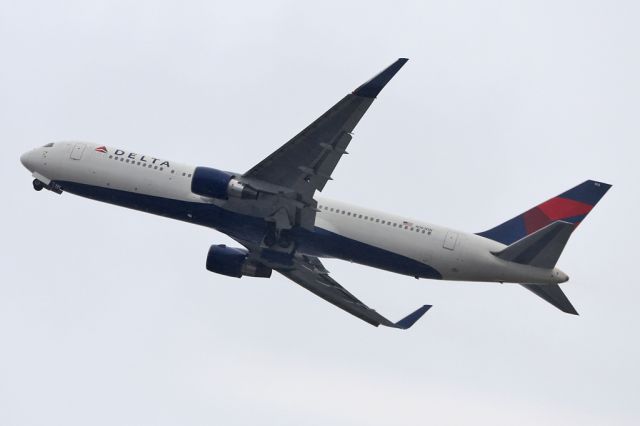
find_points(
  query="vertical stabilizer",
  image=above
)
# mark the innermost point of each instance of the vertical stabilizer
(571, 206)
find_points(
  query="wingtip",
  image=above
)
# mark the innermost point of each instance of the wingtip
(406, 322)
(373, 87)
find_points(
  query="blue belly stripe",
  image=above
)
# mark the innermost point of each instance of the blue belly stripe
(320, 242)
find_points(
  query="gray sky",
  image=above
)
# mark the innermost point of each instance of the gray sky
(108, 316)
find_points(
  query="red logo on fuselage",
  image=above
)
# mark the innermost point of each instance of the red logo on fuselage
(102, 149)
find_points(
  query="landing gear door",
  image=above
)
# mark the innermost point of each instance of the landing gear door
(450, 241)
(77, 151)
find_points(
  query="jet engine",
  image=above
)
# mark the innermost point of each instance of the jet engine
(219, 184)
(234, 262)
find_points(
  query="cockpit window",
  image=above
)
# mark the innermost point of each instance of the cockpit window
(49, 145)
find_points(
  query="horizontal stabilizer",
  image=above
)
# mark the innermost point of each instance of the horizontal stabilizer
(542, 248)
(552, 294)
(411, 319)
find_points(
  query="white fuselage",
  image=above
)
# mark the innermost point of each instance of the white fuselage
(453, 254)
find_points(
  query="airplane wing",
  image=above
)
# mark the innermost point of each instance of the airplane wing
(305, 163)
(308, 272)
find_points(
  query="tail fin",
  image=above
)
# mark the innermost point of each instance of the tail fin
(571, 206)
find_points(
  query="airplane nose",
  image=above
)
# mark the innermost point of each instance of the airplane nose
(24, 159)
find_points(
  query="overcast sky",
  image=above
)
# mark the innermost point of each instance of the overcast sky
(108, 316)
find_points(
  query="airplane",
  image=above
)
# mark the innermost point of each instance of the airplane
(274, 213)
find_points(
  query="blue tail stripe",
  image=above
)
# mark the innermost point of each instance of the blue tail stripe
(507, 233)
(588, 192)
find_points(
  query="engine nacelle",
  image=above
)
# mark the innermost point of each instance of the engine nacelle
(233, 262)
(216, 183)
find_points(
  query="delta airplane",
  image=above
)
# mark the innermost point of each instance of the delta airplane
(273, 211)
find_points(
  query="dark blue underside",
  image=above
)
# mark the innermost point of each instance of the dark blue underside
(320, 242)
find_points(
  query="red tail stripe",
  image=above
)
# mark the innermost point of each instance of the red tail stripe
(561, 208)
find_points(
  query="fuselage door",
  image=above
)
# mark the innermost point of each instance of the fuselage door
(450, 240)
(76, 152)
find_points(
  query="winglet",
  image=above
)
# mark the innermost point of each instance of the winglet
(372, 88)
(411, 319)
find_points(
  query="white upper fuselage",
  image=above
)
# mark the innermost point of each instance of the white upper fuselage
(455, 255)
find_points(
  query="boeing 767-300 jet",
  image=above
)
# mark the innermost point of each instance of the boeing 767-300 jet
(273, 211)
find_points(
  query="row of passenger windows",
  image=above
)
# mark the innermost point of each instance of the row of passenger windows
(143, 164)
(405, 225)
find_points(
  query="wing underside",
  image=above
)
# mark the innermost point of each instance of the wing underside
(289, 178)
(308, 272)
(305, 163)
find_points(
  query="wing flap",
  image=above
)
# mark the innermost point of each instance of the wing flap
(317, 149)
